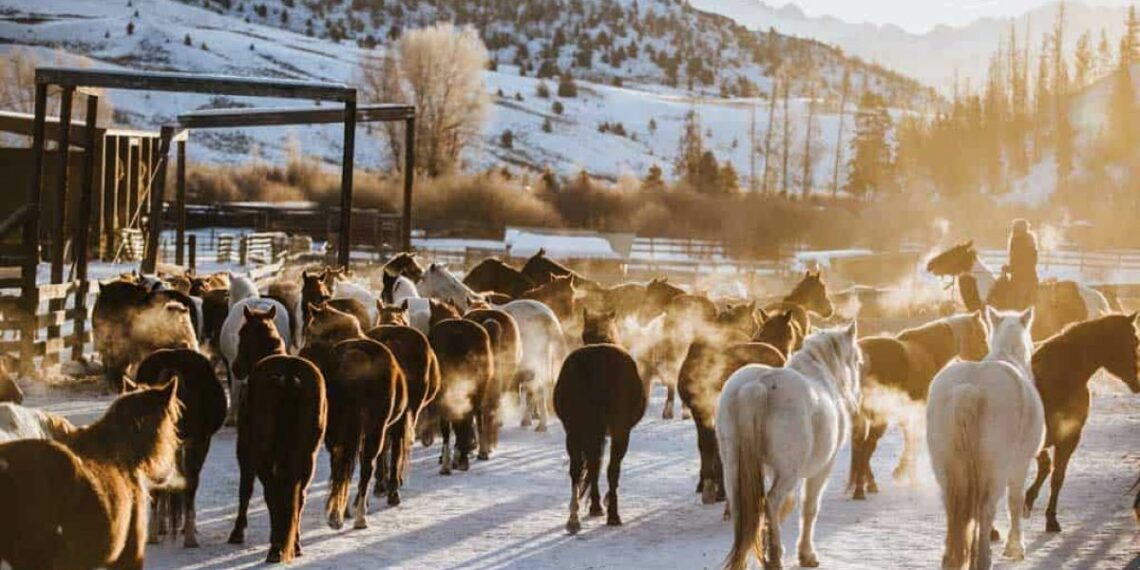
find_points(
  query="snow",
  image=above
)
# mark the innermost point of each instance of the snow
(509, 512)
(526, 244)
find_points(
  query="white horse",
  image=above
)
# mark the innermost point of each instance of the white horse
(786, 425)
(1095, 302)
(18, 422)
(398, 289)
(241, 287)
(350, 290)
(543, 348)
(439, 283)
(984, 425)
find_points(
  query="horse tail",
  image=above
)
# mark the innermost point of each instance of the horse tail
(966, 478)
(749, 501)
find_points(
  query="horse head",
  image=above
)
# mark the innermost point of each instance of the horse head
(314, 290)
(779, 330)
(1010, 334)
(405, 264)
(741, 317)
(658, 293)
(811, 294)
(327, 325)
(140, 430)
(257, 338)
(441, 311)
(392, 314)
(599, 328)
(954, 261)
(972, 335)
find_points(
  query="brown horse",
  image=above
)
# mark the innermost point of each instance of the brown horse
(493, 274)
(707, 366)
(688, 318)
(1062, 367)
(808, 296)
(9, 390)
(280, 427)
(598, 393)
(203, 401)
(905, 363)
(506, 343)
(367, 395)
(469, 392)
(81, 502)
(624, 299)
(540, 269)
(405, 264)
(558, 294)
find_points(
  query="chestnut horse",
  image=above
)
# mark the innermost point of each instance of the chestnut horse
(599, 392)
(1062, 367)
(81, 502)
(280, 427)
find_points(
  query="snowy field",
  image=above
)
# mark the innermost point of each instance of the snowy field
(509, 512)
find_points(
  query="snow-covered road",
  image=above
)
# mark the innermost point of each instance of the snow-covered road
(509, 512)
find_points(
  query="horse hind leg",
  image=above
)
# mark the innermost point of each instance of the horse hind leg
(245, 490)
(594, 450)
(782, 488)
(1064, 452)
(573, 524)
(813, 489)
(445, 452)
(1044, 468)
(905, 471)
(878, 428)
(373, 443)
(1014, 549)
(618, 446)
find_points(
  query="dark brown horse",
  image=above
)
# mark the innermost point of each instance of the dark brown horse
(367, 395)
(280, 427)
(540, 269)
(405, 264)
(707, 366)
(81, 502)
(507, 347)
(469, 391)
(625, 299)
(421, 371)
(598, 393)
(905, 365)
(1062, 367)
(203, 401)
(494, 274)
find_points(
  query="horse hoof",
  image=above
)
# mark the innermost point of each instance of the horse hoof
(613, 520)
(394, 499)
(995, 535)
(873, 488)
(190, 542)
(667, 414)
(360, 524)
(483, 456)
(236, 538)
(809, 561)
(463, 464)
(445, 470)
(274, 557)
(541, 428)
(1052, 525)
(336, 522)
(708, 493)
(596, 511)
(1014, 552)
(525, 422)
(573, 526)
(859, 495)
(685, 415)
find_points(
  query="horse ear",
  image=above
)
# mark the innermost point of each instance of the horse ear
(272, 313)
(991, 316)
(170, 389)
(1026, 317)
(612, 315)
(852, 330)
(1134, 317)
(969, 244)
(129, 385)
(247, 312)
(404, 305)
(764, 316)
(541, 252)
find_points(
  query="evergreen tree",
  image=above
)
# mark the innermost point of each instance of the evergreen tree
(1104, 60)
(1084, 62)
(870, 165)
(729, 181)
(654, 181)
(688, 162)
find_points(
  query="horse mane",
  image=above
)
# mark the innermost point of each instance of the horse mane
(137, 433)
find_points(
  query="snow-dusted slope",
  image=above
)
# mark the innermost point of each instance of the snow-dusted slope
(932, 57)
(94, 32)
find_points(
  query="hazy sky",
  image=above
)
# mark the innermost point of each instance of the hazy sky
(921, 15)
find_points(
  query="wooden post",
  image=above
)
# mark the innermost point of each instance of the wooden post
(59, 215)
(180, 202)
(157, 189)
(83, 227)
(193, 253)
(409, 180)
(110, 196)
(346, 182)
(134, 166)
(243, 250)
(29, 294)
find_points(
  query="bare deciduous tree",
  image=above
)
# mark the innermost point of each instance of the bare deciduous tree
(438, 69)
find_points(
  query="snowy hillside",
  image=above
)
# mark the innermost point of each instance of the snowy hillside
(932, 57)
(169, 35)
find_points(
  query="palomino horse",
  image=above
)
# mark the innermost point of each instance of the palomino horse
(366, 394)
(792, 420)
(493, 274)
(203, 401)
(984, 424)
(1062, 367)
(82, 502)
(598, 393)
(280, 427)
(1056, 300)
(707, 367)
(905, 363)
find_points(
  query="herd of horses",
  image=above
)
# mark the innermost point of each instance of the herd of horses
(774, 390)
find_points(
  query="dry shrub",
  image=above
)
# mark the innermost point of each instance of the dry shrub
(486, 202)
